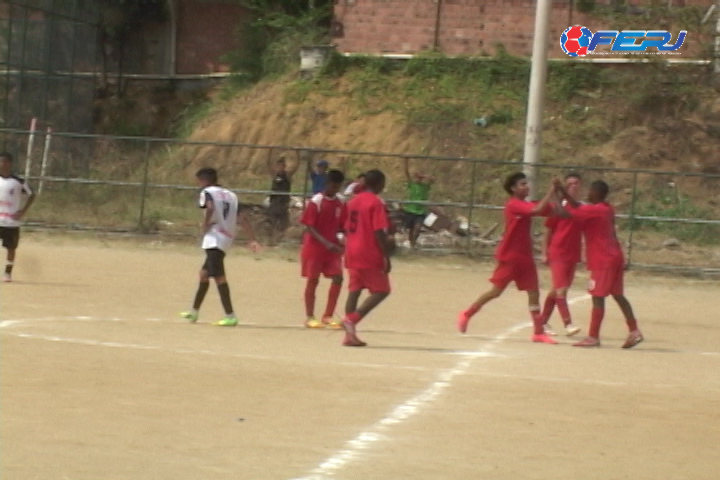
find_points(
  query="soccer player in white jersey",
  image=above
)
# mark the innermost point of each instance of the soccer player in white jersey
(12, 189)
(219, 223)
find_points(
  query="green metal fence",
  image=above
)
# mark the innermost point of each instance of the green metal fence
(667, 220)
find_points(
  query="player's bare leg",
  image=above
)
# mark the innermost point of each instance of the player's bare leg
(7, 276)
(203, 285)
(598, 312)
(333, 294)
(539, 335)
(634, 336)
(353, 317)
(564, 310)
(224, 290)
(415, 234)
(310, 288)
(465, 316)
(548, 307)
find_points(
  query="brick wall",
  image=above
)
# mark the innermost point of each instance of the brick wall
(466, 27)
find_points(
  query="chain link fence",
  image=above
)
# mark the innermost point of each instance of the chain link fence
(43, 44)
(667, 220)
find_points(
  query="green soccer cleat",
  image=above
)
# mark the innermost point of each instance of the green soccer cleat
(189, 316)
(226, 322)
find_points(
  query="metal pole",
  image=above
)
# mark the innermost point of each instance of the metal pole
(46, 155)
(30, 145)
(632, 219)
(536, 97)
(299, 156)
(472, 203)
(143, 194)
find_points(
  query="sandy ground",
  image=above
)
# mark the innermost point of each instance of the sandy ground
(101, 380)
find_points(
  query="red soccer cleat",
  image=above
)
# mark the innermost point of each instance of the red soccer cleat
(633, 339)
(543, 338)
(588, 342)
(353, 341)
(462, 321)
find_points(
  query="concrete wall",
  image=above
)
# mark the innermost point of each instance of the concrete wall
(466, 27)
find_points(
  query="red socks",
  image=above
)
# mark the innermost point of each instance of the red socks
(538, 320)
(333, 295)
(562, 305)
(354, 317)
(595, 320)
(549, 306)
(472, 310)
(632, 324)
(310, 287)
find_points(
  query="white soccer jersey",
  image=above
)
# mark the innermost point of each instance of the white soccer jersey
(224, 219)
(11, 190)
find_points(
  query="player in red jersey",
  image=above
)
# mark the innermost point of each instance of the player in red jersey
(605, 261)
(367, 254)
(515, 255)
(562, 243)
(324, 219)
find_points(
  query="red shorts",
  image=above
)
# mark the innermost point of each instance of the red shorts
(607, 281)
(376, 281)
(523, 273)
(563, 273)
(327, 264)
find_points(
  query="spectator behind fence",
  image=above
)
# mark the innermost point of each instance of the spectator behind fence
(278, 209)
(414, 213)
(318, 176)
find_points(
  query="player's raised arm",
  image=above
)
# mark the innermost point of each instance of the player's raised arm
(540, 208)
(291, 170)
(407, 170)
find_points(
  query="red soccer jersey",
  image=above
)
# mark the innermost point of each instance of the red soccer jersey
(365, 215)
(327, 216)
(516, 244)
(603, 248)
(566, 239)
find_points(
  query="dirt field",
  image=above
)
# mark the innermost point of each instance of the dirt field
(101, 380)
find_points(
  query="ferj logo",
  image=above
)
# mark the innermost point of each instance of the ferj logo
(579, 41)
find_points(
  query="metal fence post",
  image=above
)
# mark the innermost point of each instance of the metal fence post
(632, 219)
(143, 194)
(472, 203)
(308, 163)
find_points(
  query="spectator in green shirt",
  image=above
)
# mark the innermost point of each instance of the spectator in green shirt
(414, 213)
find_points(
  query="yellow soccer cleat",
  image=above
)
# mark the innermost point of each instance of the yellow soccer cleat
(313, 323)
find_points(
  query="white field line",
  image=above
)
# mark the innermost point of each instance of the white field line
(364, 440)
(5, 326)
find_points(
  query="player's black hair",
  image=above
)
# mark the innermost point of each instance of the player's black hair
(512, 180)
(208, 174)
(573, 175)
(601, 188)
(374, 179)
(335, 176)
(7, 156)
